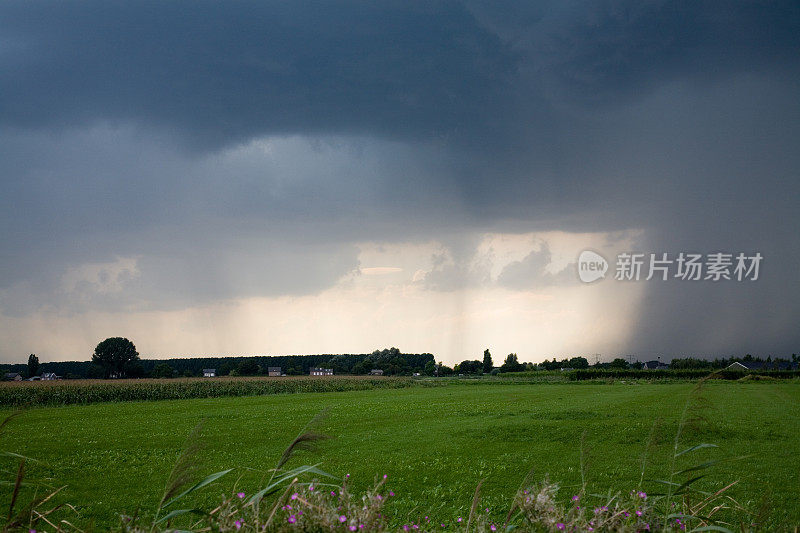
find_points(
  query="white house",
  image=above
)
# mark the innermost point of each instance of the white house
(321, 372)
(209, 372)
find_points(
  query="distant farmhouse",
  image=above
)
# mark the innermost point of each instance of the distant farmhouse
(209, 372)
(654, 365)
(49, 376)
(376, 372)
(321, 372)
(12, 376)
(273, 371)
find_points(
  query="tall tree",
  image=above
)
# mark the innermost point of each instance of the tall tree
(33, 365)
(116, 356)
(470, 367)
(487, 361)
(512, 364)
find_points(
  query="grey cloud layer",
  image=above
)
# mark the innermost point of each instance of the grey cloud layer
(220, 72)
(126, 130)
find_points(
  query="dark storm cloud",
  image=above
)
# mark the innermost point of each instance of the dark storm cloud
(126, 131)
(221, 72)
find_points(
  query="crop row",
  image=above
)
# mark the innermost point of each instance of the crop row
(94, 391)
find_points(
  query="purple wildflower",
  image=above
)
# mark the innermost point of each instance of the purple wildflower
(576, 498)
(292, 519)
(353, 528)
(343, 518)
(238, 524)
(240, 495)
(560, 525)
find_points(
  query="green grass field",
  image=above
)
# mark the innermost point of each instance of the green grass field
(435, 443)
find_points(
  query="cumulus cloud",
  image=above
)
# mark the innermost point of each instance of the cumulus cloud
(531, 271)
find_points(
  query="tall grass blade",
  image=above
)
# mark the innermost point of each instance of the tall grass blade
(179, 512)
(712, 528)
(289, 474)
(696, 447)
(17, 484)
(199, 485)
(475, 499)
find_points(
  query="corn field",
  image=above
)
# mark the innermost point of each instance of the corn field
(31, 394)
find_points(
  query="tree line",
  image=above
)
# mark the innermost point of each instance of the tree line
(117, 357)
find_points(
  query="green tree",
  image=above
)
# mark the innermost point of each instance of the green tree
(511, 364)
(117, 357)
(226, 368)
(163, 370)
(618, 363)
(33, 365)
(445, 370)
(487, 361)
(578, 362)
(248, 367)
(470, 367)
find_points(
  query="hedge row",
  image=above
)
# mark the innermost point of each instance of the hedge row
(593, 373)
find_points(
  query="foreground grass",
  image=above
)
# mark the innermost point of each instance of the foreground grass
(435, 444)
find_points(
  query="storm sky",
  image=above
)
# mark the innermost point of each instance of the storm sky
(242, 178)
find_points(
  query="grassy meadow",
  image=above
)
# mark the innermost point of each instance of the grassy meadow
(434, 443)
